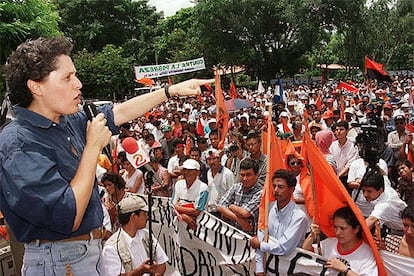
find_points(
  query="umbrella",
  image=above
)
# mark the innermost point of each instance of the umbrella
(236, 104)
(233, 105)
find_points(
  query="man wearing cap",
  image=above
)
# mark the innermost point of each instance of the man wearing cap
(388, 117)
(127, 251)
(211, 125)
(240, 205)
(397, 137)
(190, 194)
(350, 119)
(220, 179)
(283, 116)
(328, 119)
(167, 141)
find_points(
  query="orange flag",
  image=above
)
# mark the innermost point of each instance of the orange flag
(329, 195)
(200, 128)
(285, 125)
(188, 145)
(145, 81)
(222, 116)
(200, 99)
(410, 128)
(276, 162)
(318, 103)
(169, 81)
(233, 90)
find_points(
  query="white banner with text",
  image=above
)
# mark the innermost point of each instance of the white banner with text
(163, 70)
(217, 248)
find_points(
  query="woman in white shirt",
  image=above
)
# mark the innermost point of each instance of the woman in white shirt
(347, 253)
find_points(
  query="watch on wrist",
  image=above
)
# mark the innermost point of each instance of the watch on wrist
(166, 91)
(345, 272)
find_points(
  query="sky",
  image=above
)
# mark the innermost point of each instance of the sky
(170, 7)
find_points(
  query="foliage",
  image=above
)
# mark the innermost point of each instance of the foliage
(385, 34)
(270, 37)
(105, 75)
(92, 24)
(22, 20)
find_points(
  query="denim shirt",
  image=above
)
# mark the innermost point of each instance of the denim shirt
(38, 159)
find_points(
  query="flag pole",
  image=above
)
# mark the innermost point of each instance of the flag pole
(268, 178)
(317, 239)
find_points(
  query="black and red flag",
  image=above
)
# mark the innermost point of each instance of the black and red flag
(375, 70)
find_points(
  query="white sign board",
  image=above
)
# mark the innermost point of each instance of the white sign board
(163, 70)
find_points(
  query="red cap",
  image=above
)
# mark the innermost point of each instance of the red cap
(327, 114)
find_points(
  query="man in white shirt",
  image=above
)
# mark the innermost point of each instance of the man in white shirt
(343, 152)
(220, 179)
(190, 195)
(386, 203)
(127, 250)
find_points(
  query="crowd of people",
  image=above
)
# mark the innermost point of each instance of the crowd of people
(228, 182)
(49, 196)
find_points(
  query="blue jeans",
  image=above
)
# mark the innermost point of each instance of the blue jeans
(62, 258)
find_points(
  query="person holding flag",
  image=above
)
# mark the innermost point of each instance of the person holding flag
(347, 253)
(287, 223)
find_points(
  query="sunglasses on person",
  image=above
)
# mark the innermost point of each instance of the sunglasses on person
(295, 163)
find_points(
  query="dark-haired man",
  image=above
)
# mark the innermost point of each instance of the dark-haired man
(126, 251)
(287, 223)
(407, 242)
(254, 147)
(240, 205)
(386, 203)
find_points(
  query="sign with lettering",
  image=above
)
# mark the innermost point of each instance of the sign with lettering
(163, 70)
(217, 248)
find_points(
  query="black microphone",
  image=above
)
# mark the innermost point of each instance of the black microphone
(91, 112)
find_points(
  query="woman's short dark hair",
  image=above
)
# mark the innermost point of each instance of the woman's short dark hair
(115, 178)
(348, 215)
(32, 60)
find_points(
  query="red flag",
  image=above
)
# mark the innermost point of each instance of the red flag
(200, 99)
(330, 195)
(169, 81)
(222, 116)
(233, 90)
(276, 158)
(200, 128)
(410, 128)
(145, 81)
(188, 145)
(285, 125)
(347, 87)
(318, 103)
(375, 70)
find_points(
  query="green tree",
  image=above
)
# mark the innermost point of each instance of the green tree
(22, 20)
(92, 24)
(270, 37)
(107, 74)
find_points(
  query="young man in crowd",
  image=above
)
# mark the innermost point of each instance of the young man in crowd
(220, 180)
(126, 251)
(190, 195)
(240, 205)
(287, 223)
